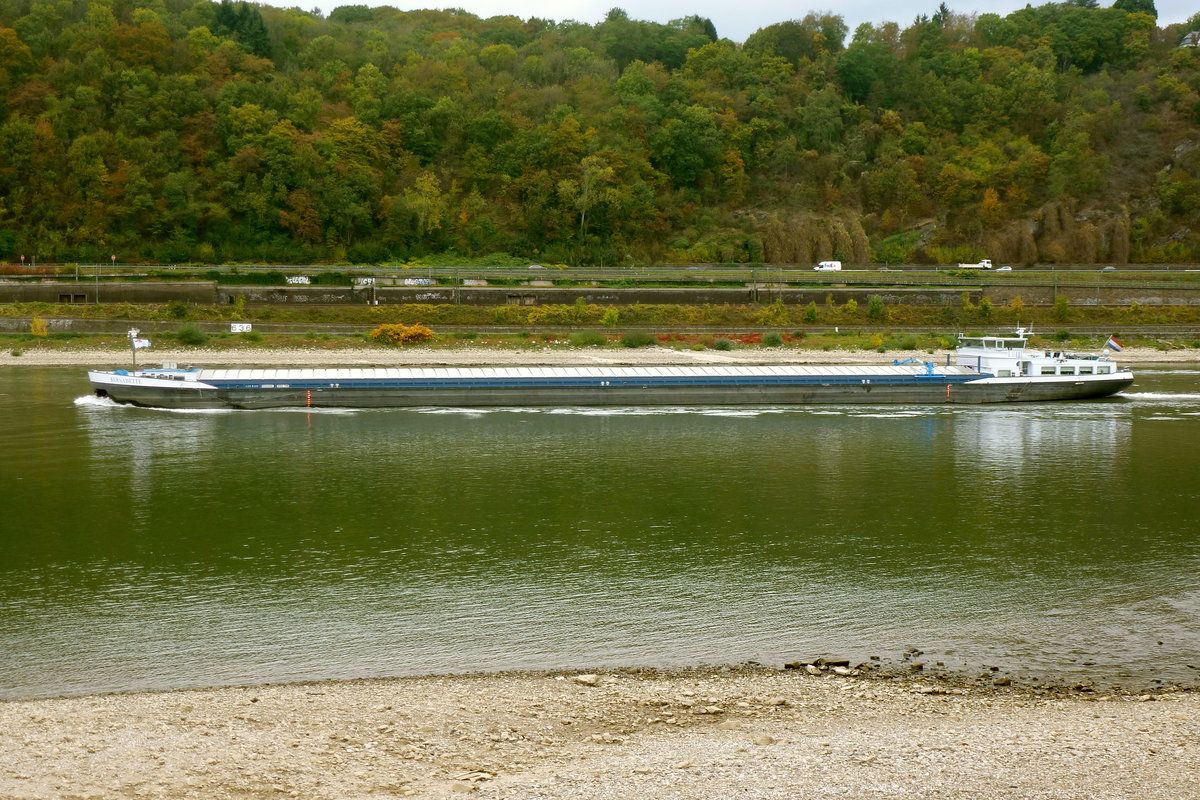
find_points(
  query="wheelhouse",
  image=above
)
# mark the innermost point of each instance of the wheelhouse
(1010, 357)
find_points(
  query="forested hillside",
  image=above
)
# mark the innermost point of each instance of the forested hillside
(174, 130)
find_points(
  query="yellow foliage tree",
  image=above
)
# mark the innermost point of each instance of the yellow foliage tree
(991, 210)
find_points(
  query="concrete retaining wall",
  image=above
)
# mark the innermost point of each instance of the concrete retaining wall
(82, 292)
(1091, 295)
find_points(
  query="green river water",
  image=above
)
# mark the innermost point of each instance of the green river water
(144, 549)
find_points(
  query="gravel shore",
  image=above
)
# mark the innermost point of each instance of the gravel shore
(696, 734)
(478, 355)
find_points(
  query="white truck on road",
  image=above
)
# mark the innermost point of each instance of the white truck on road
(828, 266)
(984, 264)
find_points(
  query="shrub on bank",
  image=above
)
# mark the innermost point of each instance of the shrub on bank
(588, 339)
(191, 334)
(637, 339)
(398, 334)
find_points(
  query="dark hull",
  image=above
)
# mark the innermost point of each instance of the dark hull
(921, 393)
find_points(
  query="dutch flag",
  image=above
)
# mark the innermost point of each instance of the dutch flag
(1113, 344)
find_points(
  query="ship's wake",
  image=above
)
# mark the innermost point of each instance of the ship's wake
(92, 401)
(1158, 396)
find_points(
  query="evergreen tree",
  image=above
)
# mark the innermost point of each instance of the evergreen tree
(1137, 6)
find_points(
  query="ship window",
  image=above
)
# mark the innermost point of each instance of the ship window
(1066, 370)
(1004, 373)
(1085, 370)
(1103, 370)
(1047, 370)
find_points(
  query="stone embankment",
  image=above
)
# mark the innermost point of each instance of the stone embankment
(696, 734)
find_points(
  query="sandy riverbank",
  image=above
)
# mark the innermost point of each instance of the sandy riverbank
(693, 734)
(478, 355)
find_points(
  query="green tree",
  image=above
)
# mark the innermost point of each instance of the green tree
(821, 119)
(687, 146)
(244, 23)
(15, 58)
(1137, 7)
(426, 202)
(1062, 308)
(875, 308)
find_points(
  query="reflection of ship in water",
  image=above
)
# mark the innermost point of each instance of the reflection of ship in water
(131, 447)
(140, 452)
(1009, 441)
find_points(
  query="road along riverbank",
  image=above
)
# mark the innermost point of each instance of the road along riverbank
(700, 733)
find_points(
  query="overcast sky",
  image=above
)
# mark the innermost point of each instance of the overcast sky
(734, 20)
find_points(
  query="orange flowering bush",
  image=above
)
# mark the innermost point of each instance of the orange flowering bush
(395, 333)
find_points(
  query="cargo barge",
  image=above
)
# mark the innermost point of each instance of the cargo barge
(989, 369)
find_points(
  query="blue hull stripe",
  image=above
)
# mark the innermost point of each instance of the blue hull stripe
(521, 383)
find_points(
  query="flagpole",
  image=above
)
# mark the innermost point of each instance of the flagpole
(133, 332)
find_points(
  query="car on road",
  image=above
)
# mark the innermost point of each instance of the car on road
(1108, 269)
(1003, 269)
